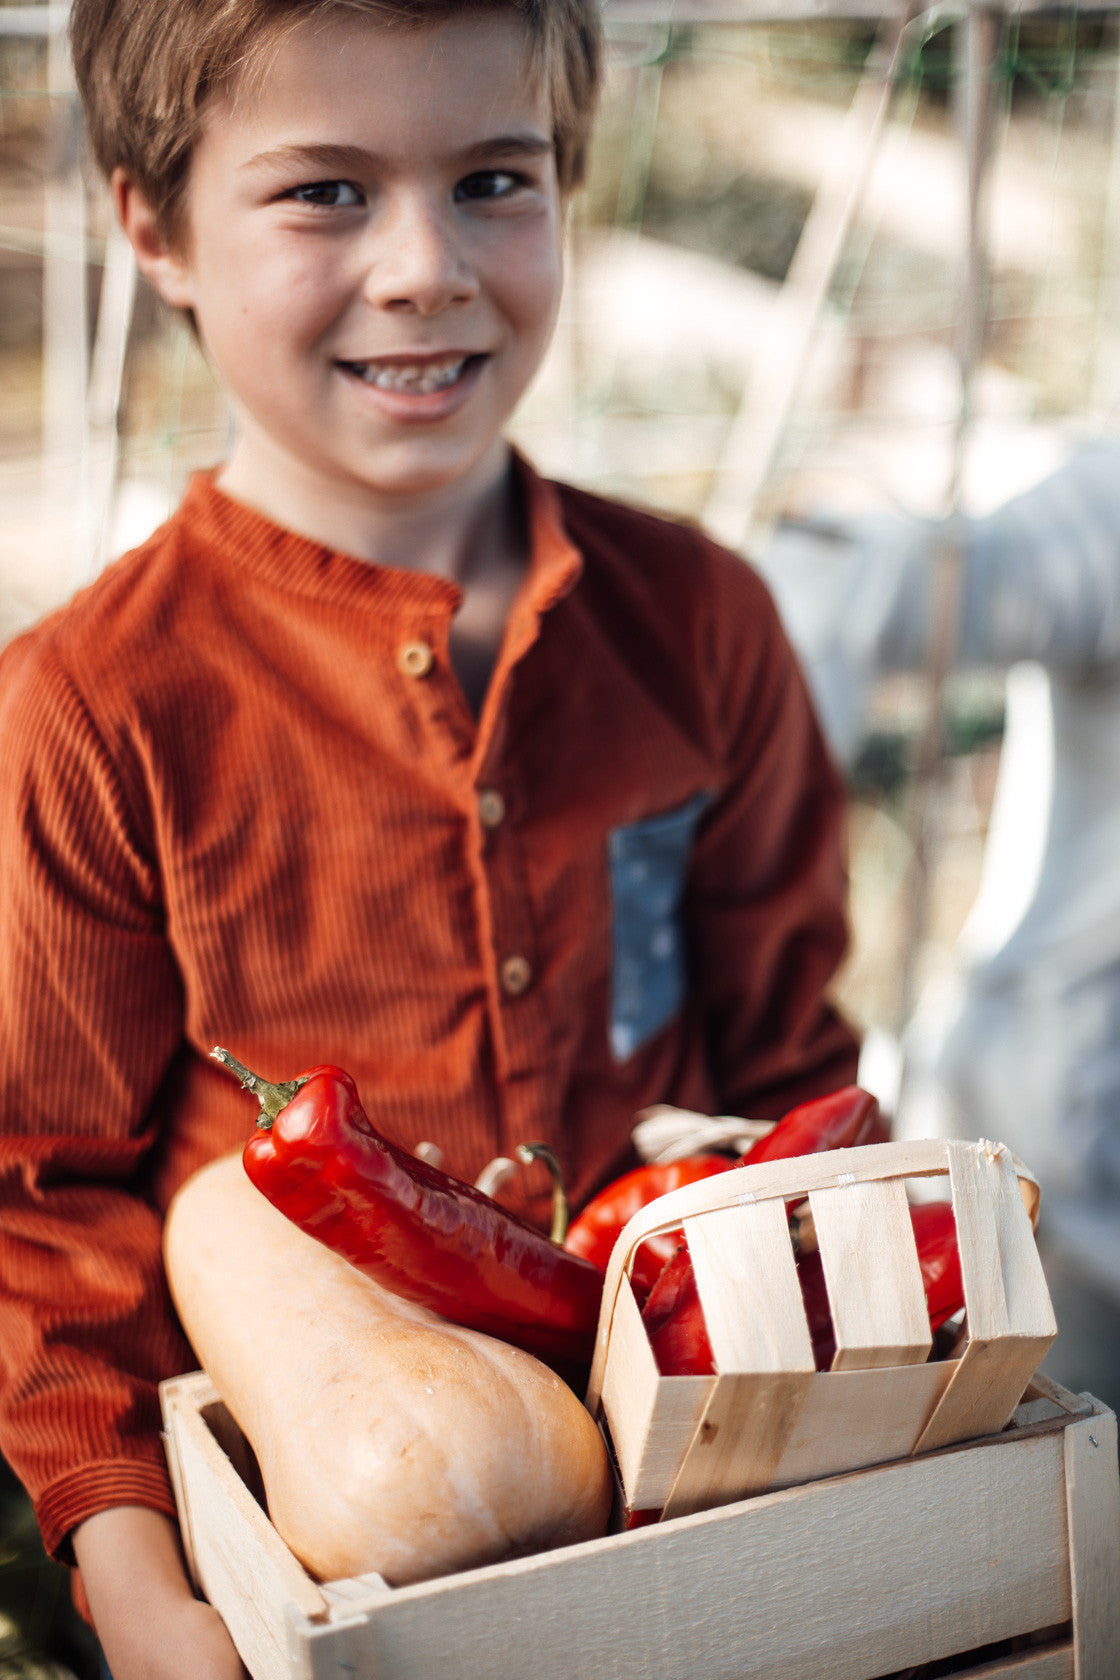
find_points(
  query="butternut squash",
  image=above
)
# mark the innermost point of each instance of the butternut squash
(389, 1441)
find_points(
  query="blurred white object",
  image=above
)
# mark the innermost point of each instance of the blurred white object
(1027, 1049)
(664, 1133)
(1034, 1043)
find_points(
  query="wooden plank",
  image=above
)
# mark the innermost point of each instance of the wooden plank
(1053, 1662)
(984, 1391)
(652, 1418)
(1010, 1320)
(1043, 1389)
(747, 1279)
(357, 1592)
(183, 1393)
(1093, 1509)
(850, 1420)
(630, 1383)
(241, 1563)
(871, 1270)
(1004, 1285)
(740, 1441)
(852, 1578)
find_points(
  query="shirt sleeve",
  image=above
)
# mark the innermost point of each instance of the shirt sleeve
(90, 1019)
(766, 907)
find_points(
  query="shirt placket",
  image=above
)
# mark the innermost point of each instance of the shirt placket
(479, 772)
(522, 1025)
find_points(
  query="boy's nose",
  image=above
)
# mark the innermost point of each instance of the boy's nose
(418, 262)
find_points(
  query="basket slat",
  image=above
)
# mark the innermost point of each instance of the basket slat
(1010, 1320)
(871, 1270)
(747, 1278)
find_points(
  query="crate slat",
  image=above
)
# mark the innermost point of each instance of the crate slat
(1054, 1664)
(1093, 1514)
(854, 1578)
(234, 1553)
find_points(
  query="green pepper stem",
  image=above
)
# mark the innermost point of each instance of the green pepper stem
(561, 1207)
(272, 1098)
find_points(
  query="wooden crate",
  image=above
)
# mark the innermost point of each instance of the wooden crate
(769, 1419)
(852, 1578)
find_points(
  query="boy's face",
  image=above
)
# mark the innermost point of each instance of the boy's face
(372, 251)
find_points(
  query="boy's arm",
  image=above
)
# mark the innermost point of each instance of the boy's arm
(90, 1020)
(768, 888)
(150, 1625)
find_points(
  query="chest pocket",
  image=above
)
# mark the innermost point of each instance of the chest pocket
(648, 869)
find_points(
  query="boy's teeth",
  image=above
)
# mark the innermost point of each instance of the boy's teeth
(416, 378)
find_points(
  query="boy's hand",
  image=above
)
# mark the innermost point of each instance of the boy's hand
(150, 1624)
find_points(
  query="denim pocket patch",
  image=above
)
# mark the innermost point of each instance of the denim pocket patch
(648, 867)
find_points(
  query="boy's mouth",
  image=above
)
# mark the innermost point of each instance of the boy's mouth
(416, 379)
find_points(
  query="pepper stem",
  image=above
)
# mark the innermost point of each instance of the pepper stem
(561, 1207)
(272, 1098)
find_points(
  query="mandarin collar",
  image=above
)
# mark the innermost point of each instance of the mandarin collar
(250, 540)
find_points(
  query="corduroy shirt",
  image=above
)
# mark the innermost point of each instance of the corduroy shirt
(243, 801)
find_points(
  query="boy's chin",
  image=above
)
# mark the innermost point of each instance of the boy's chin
(434, 473)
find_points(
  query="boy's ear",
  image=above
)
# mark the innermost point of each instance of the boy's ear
(160, 262)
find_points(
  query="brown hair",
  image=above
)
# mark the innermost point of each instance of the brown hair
(146, 68)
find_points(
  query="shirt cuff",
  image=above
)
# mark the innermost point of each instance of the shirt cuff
(98, 1487)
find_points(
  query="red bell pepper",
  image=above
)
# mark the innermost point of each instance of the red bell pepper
(935, 1232)
(413, 1228)
(674, 1318)
(594, 1232)
(842, 1120)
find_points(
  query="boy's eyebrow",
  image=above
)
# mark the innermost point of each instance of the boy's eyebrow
(344, 158)
(508, 145)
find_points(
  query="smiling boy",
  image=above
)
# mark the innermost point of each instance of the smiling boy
(382, 751)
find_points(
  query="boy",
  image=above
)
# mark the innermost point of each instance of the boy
(382, 752)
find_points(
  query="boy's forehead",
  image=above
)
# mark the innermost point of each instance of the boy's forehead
(459, 75)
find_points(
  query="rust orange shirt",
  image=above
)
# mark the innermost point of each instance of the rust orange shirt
(243, 801)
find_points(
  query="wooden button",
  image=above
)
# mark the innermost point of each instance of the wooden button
(516, 975)
(491, 807)
(415, 659)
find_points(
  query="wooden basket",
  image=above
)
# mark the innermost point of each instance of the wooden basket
(1003, 1554)
(769, 1419)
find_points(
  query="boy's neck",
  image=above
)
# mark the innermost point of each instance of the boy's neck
(456, 531)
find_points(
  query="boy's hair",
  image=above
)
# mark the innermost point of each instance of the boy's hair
(146, 69)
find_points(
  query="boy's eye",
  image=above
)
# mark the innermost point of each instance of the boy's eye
(487, 183)
(333, 195)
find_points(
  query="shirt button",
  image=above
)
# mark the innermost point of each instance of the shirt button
(491, 807)
(415, 659)
(516, 975)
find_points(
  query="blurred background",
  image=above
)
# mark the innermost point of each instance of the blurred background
(844, 286)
